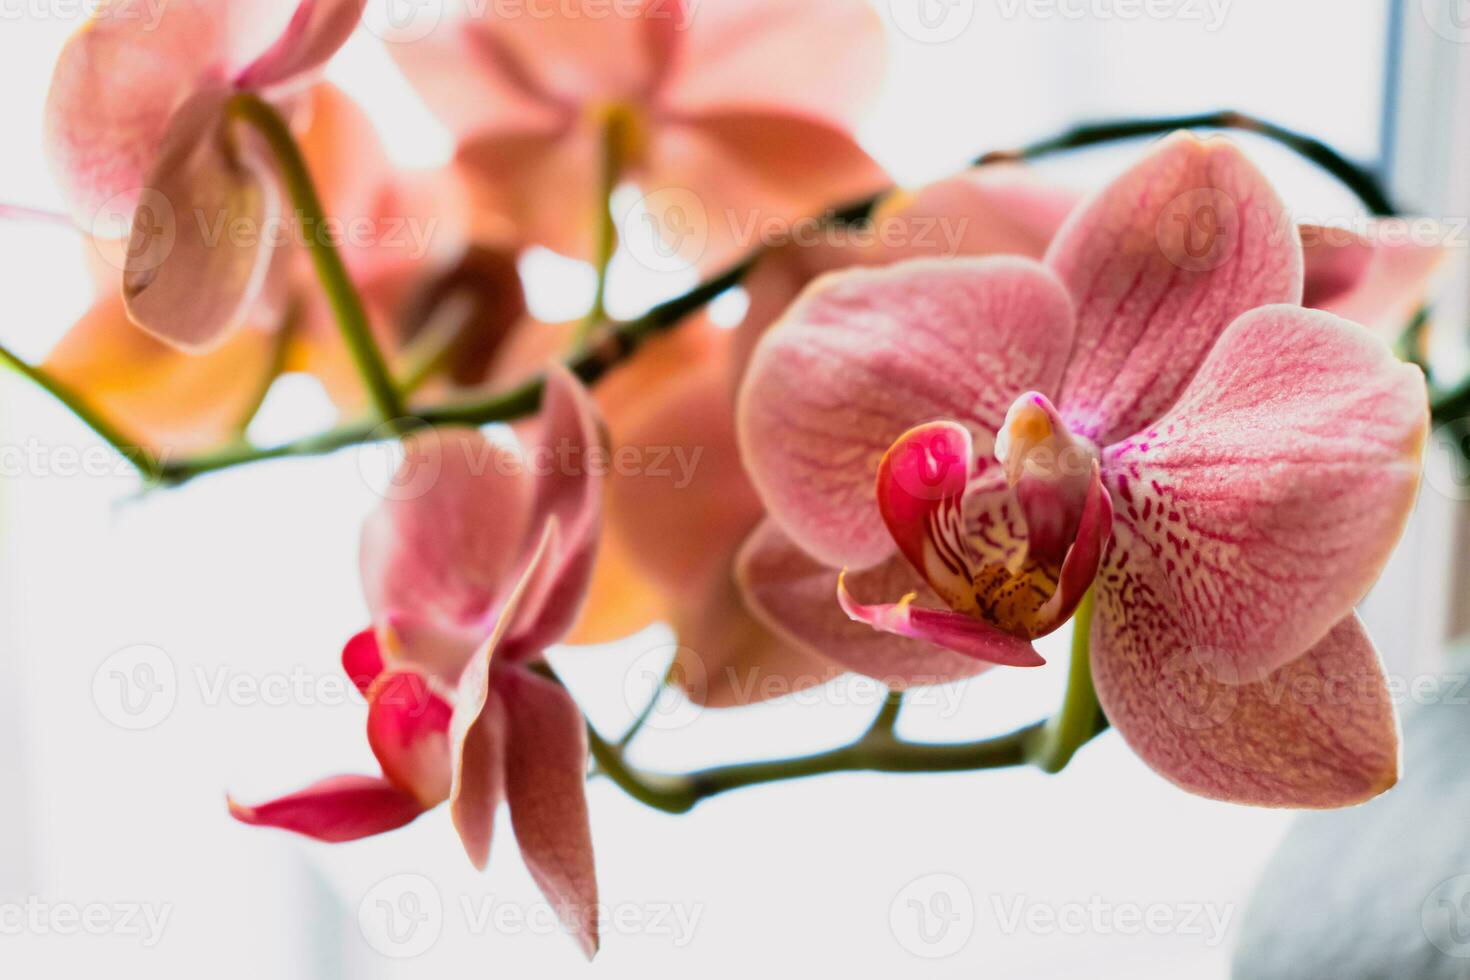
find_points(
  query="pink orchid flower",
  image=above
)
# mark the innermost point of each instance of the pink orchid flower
(1151, 414)
(137, 133)
(718, 99)
(476, 563)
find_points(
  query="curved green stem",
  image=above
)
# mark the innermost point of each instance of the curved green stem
(149, 465)
(341, 294)
(613, 139)
(1053, 746)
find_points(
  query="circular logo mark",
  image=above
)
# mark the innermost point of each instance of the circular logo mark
(666, 230)
(665, 706)
(1447, 461)
(933, 916)
(1199, 688)
(1445, 916)
(932, 21)
(136, 687)
(407, 470)
(1199, 230)
(143, 218)
(402, 916)
(403, 21)
(1450, 19)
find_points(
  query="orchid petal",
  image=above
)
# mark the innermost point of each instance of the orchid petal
(1317, 732)
(1378, 281)
(199, 250)
(317, 29)
(758, 53)
(362, 659)
(1275, 490)
(796, 597)
(171, 401)
(546, 788)
(337, 809)
(544, 181)
(569, 496)
(478, 727)
(1160, 262)
(408, 729)
(440, 550)
(942, 627)
(867, 354)
(749, 171)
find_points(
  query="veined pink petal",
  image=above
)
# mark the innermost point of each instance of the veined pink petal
(755, 176)
(408, 729)
(569, 494)
(759, 53)
(921, 493)
(317, 30)
(1275, 490)
(1159, 263)
(865, 355)
(362, 660)
(546, 788)
(1378, 281)
(942, 627)
(337, 809)
(1317, 732)
(200, 244)
(478, 727)
(1084, 557)
(797, 598)
(438, 553)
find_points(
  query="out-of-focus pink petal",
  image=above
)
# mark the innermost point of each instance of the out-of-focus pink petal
(569, 489)
(546, 787)
(941, 627)
(797, 599)
(865, 355)
(1159, 263)
(316, 31)
(757, 53)
(544, 181)
(757, 176)
(341, 808)
(438, 553)
(1275, 490)
(408, 729)
(1378, 280)
(478, 727)
(1317, 732)
(200, 243)
(362, 660)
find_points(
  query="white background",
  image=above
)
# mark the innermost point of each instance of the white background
(254, 574)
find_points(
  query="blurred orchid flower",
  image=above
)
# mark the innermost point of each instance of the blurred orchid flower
(969, 435)
(716, 110)
(474, 565)
(136, 130)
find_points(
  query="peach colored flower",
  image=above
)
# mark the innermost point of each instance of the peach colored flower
(1150, 413)
(720, 112)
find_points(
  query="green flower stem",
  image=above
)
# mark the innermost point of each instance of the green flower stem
(149, 465)
(613, 138)
(621, 341)
(342, 295)
(1052, 746)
